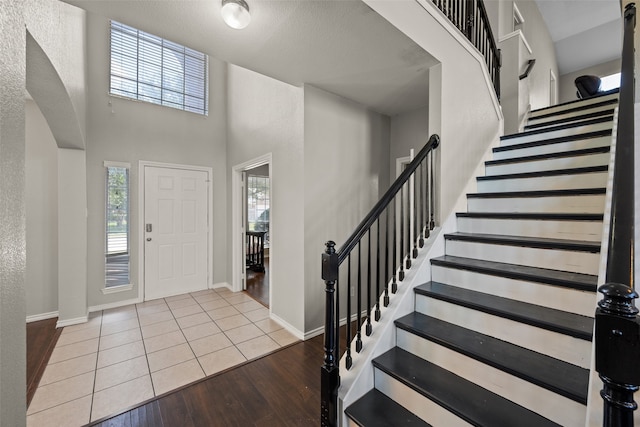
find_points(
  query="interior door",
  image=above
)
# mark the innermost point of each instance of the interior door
(243, 230)
(176, 230)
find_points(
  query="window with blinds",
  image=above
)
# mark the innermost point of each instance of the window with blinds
(152, 69)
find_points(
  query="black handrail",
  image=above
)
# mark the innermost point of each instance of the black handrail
(412, 196)
(617, 331)
(470, 17)
(526, 73)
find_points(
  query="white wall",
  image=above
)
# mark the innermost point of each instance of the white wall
(409, 130)
(469, 116)
(41, 192)
(543, 50)
(567, 81)
(12, 214)
(265, 116)
(129, 131)
(346, 149)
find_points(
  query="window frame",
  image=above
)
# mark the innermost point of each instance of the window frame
(166, 73)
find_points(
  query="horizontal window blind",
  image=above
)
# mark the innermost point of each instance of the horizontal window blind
(152, 69)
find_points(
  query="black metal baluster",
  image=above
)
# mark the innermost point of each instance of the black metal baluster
(415, 216)
(407, 249)
(386, 260)
(349, 359)
(427, 199)
(432, 223)
(369, 327)
(421, 205)
(359, 302)
(394, 284)
(401, 249)
(378, 275)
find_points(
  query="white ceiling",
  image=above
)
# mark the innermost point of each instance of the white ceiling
(585, 32)
(343, 47)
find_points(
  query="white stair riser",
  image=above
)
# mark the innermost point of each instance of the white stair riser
(574, 261)
(560, 108)
(563, 347)
(559, 204)
(418, 404)
(557, 133)
(562, 116)
(553, 406)
(556, 182)
(574, 230)
(559, 147)
(599, 159)
(556, 297)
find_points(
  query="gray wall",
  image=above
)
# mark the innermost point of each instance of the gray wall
(12, 214)
(408, 130)
(41, 192)
(266, 116)
(129, 131)
(346, 151)
(567, 86)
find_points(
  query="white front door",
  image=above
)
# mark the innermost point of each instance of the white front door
(175, 231)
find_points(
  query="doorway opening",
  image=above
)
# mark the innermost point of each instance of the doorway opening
(252, 231)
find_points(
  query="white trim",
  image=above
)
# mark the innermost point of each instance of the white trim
(116, 289)
(74, 321)
(522, 37)
(116, 304)
(553, 88)
(237, 245)
(517, 16)
(402, 161)
(110, 164)
(141, 167)
(297, 333)
(320, 329)
(221, 285)
(42, 316)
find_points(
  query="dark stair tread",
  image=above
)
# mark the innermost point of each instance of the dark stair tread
(524, 241)
(539, 193)
(608, 112)
(534, 216)
(577, 101)
(562, 322)
(465, 399)
(559, 127)
(556, 375)
(567, 279)
(551, 141)
(549, 156)
(536, 174)
(375, 409)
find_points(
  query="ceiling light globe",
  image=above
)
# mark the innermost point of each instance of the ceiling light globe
(235, 13)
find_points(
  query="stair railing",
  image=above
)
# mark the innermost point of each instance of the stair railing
(617, 330)
(377, 254)
(470, 17)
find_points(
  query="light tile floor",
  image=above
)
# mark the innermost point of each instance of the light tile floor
(127, 355)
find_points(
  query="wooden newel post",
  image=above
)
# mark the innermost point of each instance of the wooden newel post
(330, 374)
(617, 337)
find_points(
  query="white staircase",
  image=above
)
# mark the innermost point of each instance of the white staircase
(501, 335)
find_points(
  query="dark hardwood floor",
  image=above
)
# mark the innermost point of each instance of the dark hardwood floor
(41, 340)
(258, 284)
(281, 389)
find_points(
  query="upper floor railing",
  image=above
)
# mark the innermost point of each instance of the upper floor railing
(617, 331)
(470, 17)
(376, 255)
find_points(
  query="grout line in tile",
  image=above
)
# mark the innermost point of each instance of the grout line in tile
(146, 355)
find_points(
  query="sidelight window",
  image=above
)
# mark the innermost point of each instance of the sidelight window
(117, 248)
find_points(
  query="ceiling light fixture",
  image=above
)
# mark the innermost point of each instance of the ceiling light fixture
(235, 13)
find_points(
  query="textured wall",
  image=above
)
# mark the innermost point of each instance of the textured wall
(12, 215)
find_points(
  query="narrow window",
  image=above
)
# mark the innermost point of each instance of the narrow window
(258, 205)
(149, 68)
(117, 225)
(610, 82)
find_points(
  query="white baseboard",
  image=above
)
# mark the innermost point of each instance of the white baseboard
(74, 321)
(42, 316)
(297, 333)
(221, 285)
(320, 330)
(117, 304)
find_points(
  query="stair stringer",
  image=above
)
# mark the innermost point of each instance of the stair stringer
(357, 381)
